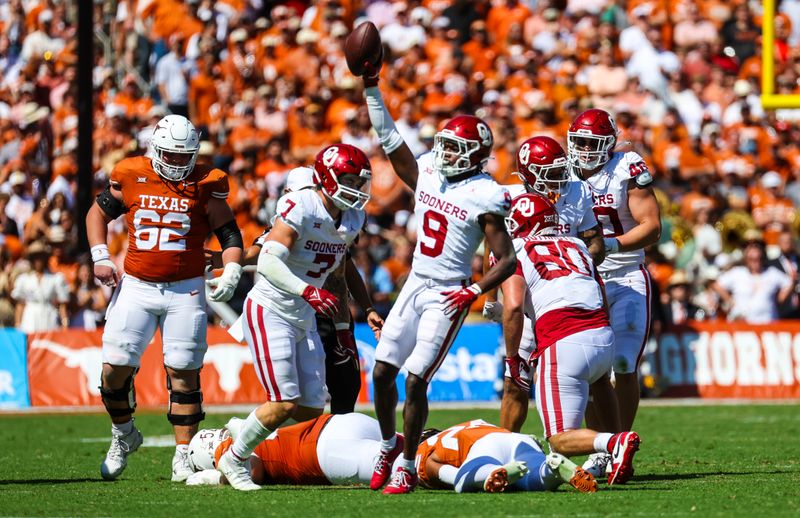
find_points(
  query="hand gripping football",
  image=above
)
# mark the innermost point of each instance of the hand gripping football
(362, 46)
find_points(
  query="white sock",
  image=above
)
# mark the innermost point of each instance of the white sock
(288, 422)
(408, 465)
(388, 445)
(252, 433)
(447, 474)
(601, 442)
(183, 449)
(122, 429)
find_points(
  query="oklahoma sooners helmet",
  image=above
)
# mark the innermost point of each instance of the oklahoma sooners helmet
(463, 145)
(174, 146)
(203, 446)
(344, 174)
(542, 165)
(531, 215)
(591, 139)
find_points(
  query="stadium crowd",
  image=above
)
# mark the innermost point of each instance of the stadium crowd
(267, 85)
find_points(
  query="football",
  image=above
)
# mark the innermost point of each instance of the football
(363, 45)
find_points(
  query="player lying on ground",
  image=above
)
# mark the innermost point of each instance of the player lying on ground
(342, 364)
(478, 456)
(341, 450)
(557, 286)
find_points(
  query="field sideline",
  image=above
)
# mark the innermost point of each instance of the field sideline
(694, 460)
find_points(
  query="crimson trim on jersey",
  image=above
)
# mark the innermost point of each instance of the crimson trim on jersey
(563, 322)
(647, 296)
(449, 338)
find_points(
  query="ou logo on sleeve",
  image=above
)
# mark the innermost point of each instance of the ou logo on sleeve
(330, 155)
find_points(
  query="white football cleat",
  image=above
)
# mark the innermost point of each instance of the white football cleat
(236, 472)
(181, 468)
(234, 426)
(207, 477)
(117, 457)
(597, 463)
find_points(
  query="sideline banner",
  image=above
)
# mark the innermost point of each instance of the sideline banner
(13, 370)
(730, 360)
(64, 369)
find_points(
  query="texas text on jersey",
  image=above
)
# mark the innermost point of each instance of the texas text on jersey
(167, 221)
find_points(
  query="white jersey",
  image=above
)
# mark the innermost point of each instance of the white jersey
(610, 191)
(574, 207)
(448, 231)
(564, 295)
(319, 249)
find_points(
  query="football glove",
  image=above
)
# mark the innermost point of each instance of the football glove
(345, 350)
(456, 302)
(493, 311)
(515, 366)
(224, 285)
(323, 301)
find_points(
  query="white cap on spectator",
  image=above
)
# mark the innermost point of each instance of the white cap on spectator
(46, 16)
(270, 41)
(114, 110)
(261, 23)
(307, 36)
(771, 180)
(742, 88)
(156, 111)
(206, 148)
(421, 15)
(31, 113)
(338, 29)
(642, 10)
(17, 178)
(440, 22)
(299, 178)
(490, 96)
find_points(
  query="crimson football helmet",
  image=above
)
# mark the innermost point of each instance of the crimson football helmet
(463, 145)
(591, 139)
(542, 166)
(344, 174)
(531, 215)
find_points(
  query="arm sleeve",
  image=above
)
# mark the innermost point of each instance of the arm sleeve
(272, 265)
(381, 120)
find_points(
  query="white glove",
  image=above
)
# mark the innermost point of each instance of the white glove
(612, 245)
(207, 477)
(493, 311)
(224, 285)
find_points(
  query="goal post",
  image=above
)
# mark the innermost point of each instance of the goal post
(769, 99)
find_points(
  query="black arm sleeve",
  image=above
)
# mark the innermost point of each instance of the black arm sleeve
(110, 205)
(229, 235)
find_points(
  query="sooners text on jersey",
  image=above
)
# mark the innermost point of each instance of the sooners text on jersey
(167, 221)
(448, 231)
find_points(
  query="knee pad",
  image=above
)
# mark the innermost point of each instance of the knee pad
(126, 393)
(193, 397)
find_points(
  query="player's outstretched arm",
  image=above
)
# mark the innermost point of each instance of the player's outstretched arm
(514, 289)
(500, 244)
(221, 219)
(644, 209)
(357, 288)
(107, 207)
(400, 155)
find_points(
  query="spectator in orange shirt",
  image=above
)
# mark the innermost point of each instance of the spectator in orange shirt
(479, 49)
(310, 135)
(203, 93)
(246, 140)
(399, 264)
(503, 15)
(772, 212)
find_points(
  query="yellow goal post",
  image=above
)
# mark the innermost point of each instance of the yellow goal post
(769, 99)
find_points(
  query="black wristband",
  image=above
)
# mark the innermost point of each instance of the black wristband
(369, 310)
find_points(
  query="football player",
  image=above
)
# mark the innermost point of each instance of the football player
(478, 456)
(309, 238)
(456, 205)
(170, 206)
(557, 286)
(342, 364)
(542, 166)
(628, 213)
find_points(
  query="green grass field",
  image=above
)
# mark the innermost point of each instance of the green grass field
(710, 460)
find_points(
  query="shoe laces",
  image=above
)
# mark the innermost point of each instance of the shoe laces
(401, 478)
(180, 462)
(119, 448)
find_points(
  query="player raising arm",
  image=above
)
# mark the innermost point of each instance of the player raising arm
(457, 204)
(309, 238)
(557, 286)
(170, 206)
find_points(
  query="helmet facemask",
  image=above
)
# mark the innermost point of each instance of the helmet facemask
(353, 191)
(173, 165)
(552, 178)
(451, 153)
(589, 151)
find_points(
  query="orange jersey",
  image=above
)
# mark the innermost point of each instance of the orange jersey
(167, 221)
(290, 455)
(452, 445)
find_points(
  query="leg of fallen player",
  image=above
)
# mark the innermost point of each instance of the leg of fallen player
(514, 406)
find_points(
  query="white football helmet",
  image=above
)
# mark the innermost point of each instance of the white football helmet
(203, 446)
(174, 146)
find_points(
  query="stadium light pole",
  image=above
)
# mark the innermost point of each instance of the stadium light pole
(85, 117)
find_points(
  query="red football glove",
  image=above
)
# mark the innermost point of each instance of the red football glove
(515, 363)
(346, 349)
(455, 302)
(372, 72)
(323, 301)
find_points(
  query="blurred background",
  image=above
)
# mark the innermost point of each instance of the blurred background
(267, 85)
